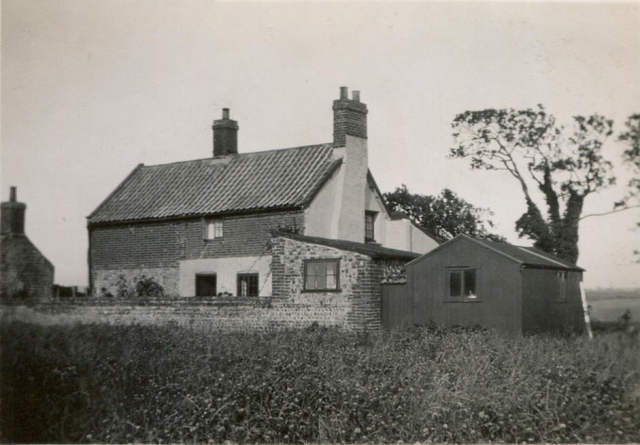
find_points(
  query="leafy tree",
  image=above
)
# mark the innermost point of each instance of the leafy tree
(631, 157)
(445, 215)
(563, 164)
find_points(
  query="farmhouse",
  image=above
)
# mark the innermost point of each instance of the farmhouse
(306, 224)
(24, 271)
(517, 290)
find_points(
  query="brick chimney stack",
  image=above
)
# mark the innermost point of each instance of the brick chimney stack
(12, 218)
(349, 117)
(225, 135)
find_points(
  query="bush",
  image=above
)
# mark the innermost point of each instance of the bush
(168, 384)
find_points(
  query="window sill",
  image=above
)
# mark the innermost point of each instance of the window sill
(475, 300)
(320, 291)
(212, 239)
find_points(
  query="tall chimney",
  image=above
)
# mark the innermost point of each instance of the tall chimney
(225, 135)
(349, 118)
(12, 218)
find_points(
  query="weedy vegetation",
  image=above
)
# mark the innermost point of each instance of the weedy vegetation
(166, 384)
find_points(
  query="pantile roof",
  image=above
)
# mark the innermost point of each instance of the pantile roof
(372, 250)
(277, 179)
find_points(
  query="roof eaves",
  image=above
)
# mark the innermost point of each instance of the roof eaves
(116, 190)
(349, 246)
(542, 266)
(196, 215)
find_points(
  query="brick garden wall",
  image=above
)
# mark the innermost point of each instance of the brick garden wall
(154, 249)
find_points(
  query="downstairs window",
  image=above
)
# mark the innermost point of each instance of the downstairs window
(206, 285)
(321, 275)
(248, 285)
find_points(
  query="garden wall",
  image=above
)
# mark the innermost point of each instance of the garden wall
(229, 314)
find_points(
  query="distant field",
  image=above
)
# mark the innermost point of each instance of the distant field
(610, 304)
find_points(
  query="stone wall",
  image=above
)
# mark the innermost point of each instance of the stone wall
(229, 314)
(357, 303)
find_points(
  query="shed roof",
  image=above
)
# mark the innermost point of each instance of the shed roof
(525, 256)
(371, 250)
(277, 179)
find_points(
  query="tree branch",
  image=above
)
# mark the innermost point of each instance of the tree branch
(609, 213)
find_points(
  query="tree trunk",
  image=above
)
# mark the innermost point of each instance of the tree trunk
(567, 234)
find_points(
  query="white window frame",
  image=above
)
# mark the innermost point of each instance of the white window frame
(213, 228)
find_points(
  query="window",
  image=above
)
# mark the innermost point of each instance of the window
(561, 284)
(321, 275)
(463, 283)
(248, 285)
(206, 285)
(369, 226)
(213, 229)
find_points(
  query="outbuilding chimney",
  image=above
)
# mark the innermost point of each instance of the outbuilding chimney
(225, 135)
(349, 117)
(12, 215)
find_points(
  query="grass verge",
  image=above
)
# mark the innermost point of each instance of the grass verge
(116, 384)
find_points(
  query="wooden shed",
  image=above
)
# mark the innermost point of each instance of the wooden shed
(518, 290)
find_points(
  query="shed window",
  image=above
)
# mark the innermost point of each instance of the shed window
(561, 285)
(463, 283)
(213, 229)
(321, 275)
(206, 285)
(248, 285)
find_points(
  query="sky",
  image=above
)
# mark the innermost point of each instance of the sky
(90, 89)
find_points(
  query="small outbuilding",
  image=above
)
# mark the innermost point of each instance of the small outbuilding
(475, 282)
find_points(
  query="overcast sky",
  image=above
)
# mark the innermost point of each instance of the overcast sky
(92, 88)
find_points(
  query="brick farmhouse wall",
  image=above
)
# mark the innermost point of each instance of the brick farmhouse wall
(154, 249)
(133, 251)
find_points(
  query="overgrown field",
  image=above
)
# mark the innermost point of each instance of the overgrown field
(121, 384)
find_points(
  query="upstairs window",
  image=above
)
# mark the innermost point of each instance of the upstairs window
(463, 284)
(206, 285)
(213, 229)
(321, 275)
(561, 286)
(248, 285)
(369, 226)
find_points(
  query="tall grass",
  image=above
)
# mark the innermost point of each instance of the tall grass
(120, 384)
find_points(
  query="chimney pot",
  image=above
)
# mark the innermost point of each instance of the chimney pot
(13, 196)
(225, 113)
(349, 118)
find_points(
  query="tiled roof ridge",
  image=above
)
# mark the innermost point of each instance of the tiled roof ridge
(242, 154)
